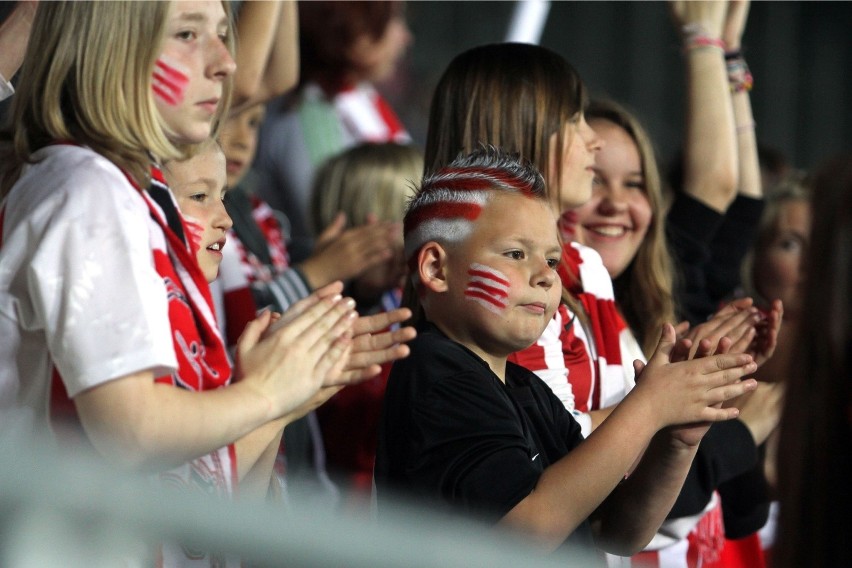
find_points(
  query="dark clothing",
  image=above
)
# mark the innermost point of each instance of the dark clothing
(726, 452)
(454, 436)
(708, 248)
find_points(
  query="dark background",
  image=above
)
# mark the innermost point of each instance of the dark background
(799, 52)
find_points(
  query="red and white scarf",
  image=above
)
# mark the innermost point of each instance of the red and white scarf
(202, 359)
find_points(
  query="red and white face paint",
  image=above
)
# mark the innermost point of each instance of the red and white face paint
(170, 81)
(198, 185)
(196, 232)
(189, 77)
(487, 287)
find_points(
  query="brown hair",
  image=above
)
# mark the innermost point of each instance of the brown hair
(327, 30)
(815, 456)
(512, 95)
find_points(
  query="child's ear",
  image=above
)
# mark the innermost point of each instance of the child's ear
(431, 267)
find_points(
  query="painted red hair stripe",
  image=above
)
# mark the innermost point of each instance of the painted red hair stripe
(442, 210)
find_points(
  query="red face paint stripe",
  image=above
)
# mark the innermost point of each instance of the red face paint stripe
(172, 73)
(164, 95)
(487, 276)
(484, 297)
(442, 211)
(487, 179)
(498, 292)
(167, 83)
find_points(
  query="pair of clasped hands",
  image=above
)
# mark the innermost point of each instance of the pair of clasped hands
(299, 359)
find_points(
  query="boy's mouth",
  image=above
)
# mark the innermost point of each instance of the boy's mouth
(535, 307)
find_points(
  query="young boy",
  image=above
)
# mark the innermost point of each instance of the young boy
(465, 429)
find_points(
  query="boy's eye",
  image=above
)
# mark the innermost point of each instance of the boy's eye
(199, 197)
(553, 262)
(515, 254)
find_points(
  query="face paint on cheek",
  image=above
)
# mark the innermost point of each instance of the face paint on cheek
(196, 232)
(487, 287)
(170, 81)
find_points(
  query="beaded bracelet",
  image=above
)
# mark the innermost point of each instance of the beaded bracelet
(739, 75)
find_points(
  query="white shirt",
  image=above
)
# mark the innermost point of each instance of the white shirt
(78, 288)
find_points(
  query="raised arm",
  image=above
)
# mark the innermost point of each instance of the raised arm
(710, 151)
(267, 51)
(740, 81)
(14, 36)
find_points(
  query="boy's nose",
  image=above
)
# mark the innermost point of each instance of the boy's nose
(544, 276)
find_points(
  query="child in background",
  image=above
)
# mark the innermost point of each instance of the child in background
(367, 183)
(255, 273)
(198, 185)
(465, 429)
(344, 49)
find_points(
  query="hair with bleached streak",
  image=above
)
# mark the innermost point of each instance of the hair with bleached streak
(449, 201)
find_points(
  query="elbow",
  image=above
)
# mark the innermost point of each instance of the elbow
(129, 449)
(622, 544)
(242, 93)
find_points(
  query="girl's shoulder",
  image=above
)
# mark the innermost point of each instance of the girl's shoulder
(73, 180)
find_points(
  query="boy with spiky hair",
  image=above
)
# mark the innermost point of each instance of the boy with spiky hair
(466, 429)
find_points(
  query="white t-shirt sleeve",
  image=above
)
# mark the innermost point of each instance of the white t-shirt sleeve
(91, 283)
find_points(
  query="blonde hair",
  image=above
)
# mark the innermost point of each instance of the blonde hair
(644, 291)
(369, 178)
(86, 78)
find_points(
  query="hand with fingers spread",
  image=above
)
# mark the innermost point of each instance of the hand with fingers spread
(375, 343)
(737, 322)
(343, 254)
(306, 349)
(691, 392)
(743, 327)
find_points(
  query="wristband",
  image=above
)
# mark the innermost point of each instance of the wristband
(695, 36)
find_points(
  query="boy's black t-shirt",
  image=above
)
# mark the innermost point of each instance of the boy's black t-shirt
(454, 436)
